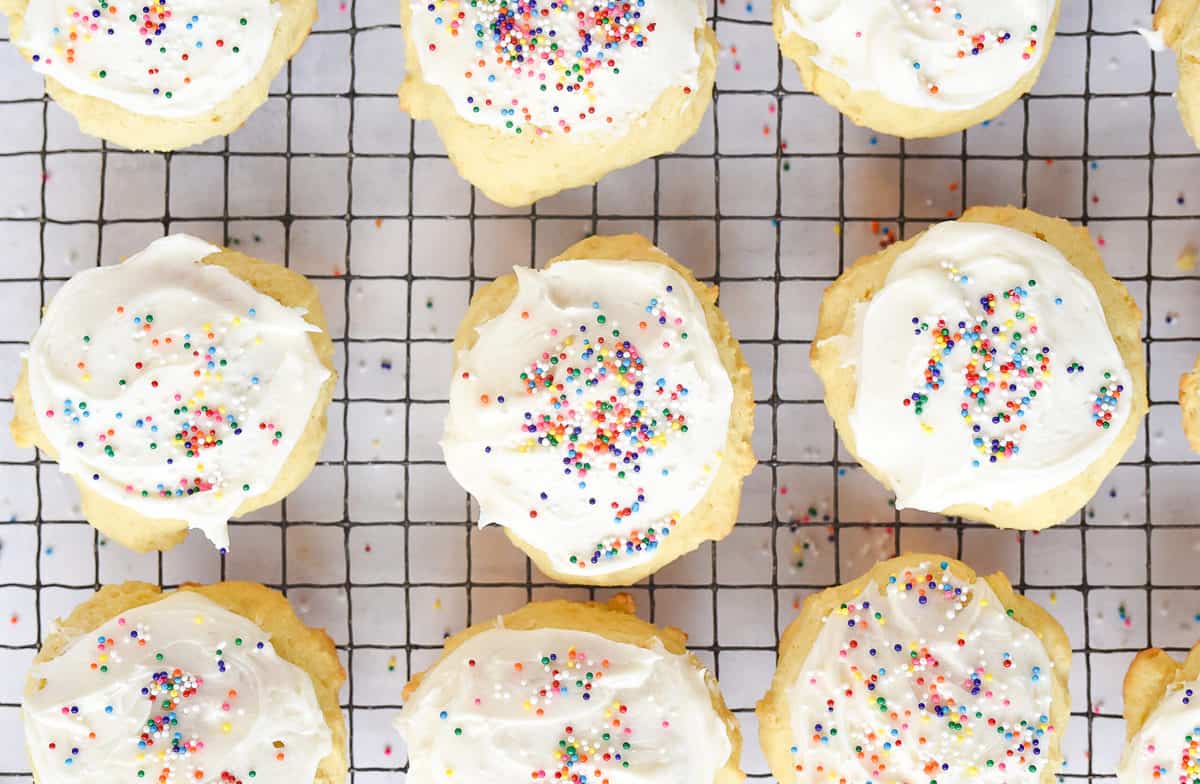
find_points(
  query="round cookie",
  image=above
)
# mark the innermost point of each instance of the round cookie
(185, 386)
(1162, 714)
(1189, 405)
(601, 411)
(885, 678)
(1021, 438)
(1179, 23)
(916, 70)
(590, 90)
(207, 683)
(160, 79)
(569, 691)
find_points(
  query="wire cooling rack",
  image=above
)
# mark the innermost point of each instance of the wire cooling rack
(772, 199)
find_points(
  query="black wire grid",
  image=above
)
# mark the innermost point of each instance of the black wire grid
(761, 350)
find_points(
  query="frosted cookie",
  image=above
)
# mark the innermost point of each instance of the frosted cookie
(159, 75)
(1162, 719)
(183, 387)
(208, 684)
(921, 67)
(528, 108)
(601, 411)
(571, 692)
(918, 671)
(1178, 22)
(989, 368)
(1189, 404)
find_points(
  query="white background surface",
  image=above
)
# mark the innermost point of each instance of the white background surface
(354, 194)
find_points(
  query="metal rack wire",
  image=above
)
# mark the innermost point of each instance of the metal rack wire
(769, 406)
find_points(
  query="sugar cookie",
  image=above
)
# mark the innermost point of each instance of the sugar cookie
(1162, 718)
(527, 109)
(1189, 405)
(164, 75)
(180, 388)
(571, 692)
(216, 683)
(988, 368)
(920, 68)
(1178, 21)
(918, 671)
(601, 411)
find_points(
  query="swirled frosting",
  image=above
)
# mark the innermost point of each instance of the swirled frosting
(926, 680)
(173, 387)
(557, 66)
(590, 416)
(180, 690)
(1166, 750)
(985, 370)
(562, 705)
(925, 53)
(163, 58)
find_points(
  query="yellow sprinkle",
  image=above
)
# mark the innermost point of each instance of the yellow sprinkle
(1187, 259)
(226, 727)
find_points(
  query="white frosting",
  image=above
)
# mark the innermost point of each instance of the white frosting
(180, 59)
(1166, 750)
(554, 704)
(590, 415)
(1155, 39)
(173, 387)
(925, 53)
(180, 690)
(926, 681)
(930, 417)
(580, 68)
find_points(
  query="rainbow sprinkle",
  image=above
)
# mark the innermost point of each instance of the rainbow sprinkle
(165, 49)
(1007, 368)
(561, 46)
(904, 695)
(592, 400)
(195, 424)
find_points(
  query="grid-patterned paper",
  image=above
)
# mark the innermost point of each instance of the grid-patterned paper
(772, 199)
